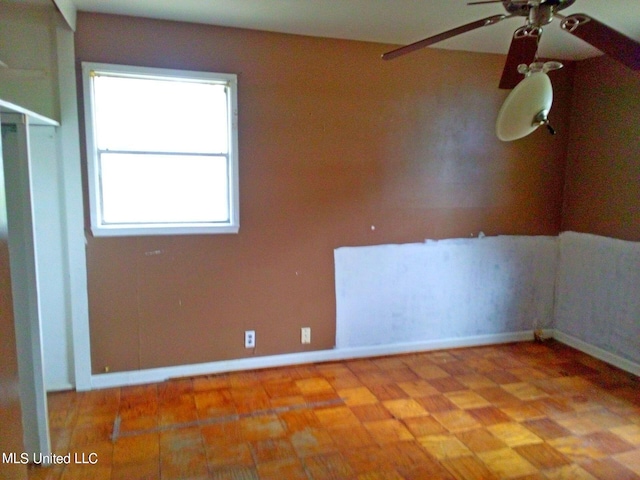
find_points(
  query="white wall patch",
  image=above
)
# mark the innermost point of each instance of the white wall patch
(444, 289)
(599, 293)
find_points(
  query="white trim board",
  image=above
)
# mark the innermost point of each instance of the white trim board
(152, 375)
(68, 11)
(34, 118)
(599, 353)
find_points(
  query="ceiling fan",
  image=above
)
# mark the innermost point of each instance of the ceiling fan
(524, 44)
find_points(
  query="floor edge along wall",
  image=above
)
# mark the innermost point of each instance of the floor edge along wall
(138, 377)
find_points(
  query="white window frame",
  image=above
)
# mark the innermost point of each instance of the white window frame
(99, 228)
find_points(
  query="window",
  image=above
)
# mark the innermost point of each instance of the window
(161, 150)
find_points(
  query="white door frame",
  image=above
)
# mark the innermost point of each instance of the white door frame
(24, 284)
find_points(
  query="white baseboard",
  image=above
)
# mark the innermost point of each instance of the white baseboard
(152, 375)
(597, 352)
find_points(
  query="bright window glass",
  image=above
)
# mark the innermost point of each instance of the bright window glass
(193, 118)
(157, 189)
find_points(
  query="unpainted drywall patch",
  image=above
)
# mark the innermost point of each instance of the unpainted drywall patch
(598, 293)
(444, 289)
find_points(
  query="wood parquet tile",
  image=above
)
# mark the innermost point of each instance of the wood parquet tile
(525, 411)
(480, 440)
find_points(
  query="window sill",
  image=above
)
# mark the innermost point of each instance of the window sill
(181, 229)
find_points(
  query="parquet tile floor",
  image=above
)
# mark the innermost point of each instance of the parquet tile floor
(519, 411)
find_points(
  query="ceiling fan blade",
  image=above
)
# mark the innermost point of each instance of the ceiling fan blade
(604, 38)
(524, 46)
(442, 36)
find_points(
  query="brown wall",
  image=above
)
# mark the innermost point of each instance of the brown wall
(602, 193)
(333, 141)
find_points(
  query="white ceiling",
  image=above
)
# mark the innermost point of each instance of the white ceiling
(385, 21)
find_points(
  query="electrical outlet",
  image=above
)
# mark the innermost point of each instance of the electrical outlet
(249, 339)
(305, 335)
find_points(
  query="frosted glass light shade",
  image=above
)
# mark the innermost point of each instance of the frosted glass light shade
(517, 116)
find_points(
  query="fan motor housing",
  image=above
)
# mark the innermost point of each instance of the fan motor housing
(523, 8)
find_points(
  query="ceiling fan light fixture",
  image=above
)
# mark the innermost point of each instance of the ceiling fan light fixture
(534, 67)
(526, 107)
